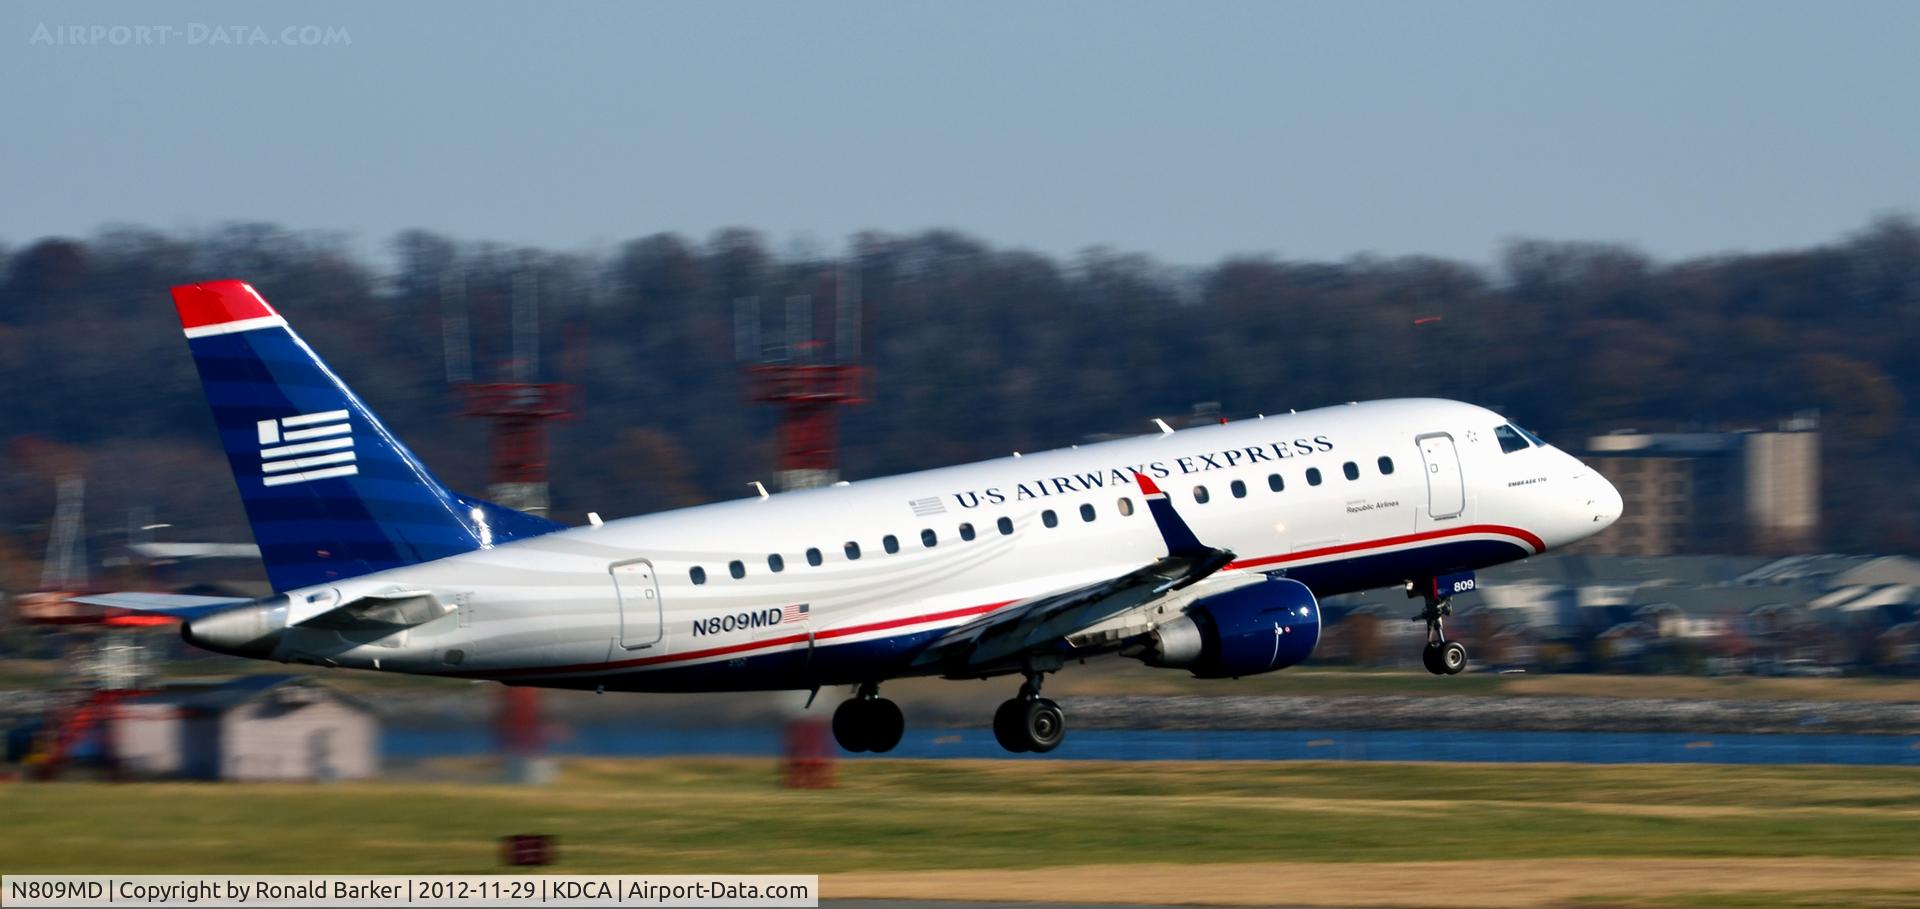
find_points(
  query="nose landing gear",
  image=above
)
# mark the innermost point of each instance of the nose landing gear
(1441, 656)
(868, 722)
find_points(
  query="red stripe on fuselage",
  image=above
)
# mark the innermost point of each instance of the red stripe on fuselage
(541, 671)
(746, 645)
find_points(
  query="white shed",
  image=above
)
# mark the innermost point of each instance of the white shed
(261, 727)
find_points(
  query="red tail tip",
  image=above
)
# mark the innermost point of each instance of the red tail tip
(218, 302)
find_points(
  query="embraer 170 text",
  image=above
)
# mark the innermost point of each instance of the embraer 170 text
(1205, 550)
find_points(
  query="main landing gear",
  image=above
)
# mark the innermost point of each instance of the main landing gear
(1441, 656)
(1029, 722)
(868, 722)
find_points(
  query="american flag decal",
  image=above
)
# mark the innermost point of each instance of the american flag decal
(795, 613)
(925, 507)
(306, 447)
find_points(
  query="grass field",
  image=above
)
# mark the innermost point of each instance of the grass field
(1334, 833)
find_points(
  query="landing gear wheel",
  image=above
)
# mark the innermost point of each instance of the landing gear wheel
(1043, 725)
(1441, 656)
(850, 725)
(1006, 725)
(868, 723)
(885, 725)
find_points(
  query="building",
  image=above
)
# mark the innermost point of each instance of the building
(261, 727)
(1702, 492)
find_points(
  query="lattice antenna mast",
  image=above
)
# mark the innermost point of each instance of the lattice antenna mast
(456, 337)
(65, 566)
(519, 408)
(809, 379)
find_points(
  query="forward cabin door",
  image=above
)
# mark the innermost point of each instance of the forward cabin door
(1446, 491)
(640, 611)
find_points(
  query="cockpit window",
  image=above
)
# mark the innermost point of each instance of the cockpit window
(1510, 438)
(1531, 436)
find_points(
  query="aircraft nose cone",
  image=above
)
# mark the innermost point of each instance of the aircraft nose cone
(1606, 502)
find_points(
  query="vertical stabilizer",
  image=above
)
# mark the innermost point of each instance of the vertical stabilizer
(330, 492)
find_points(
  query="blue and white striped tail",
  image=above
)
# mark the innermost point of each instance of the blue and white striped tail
(329, 491)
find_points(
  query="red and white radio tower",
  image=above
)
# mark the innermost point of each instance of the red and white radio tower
(809, 379)
(520, 411)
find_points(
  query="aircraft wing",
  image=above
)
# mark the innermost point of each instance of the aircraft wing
(1041, 623)
(993, 641)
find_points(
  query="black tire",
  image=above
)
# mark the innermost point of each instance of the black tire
(1430, 658)
(1006, 725)
(851, 725)
(885, 725)
(1453, 658)
(1043, 725)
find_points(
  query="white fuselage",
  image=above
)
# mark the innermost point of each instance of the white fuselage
(654, 603)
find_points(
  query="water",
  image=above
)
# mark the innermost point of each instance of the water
(612, 740)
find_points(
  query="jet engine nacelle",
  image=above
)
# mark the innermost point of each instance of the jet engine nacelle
(1244, 631)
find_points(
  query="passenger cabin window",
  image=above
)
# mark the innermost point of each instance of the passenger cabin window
(1049, 518)
(966, 531)
(737, 568)
(1239, 488)
(1005, 525)
(853, 550)
(1086, 513)
(890, 543)
(1275, 483)
(927, 539)
(1313, 476)
(1351, 469)
(814, 557)
(1125, 505)
(1200, 495)
(698, 574)
(1510, 438)
(1386, 465)
(776, 564)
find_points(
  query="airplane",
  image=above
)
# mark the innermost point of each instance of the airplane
(1202, 549)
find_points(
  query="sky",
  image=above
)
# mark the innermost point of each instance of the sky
(1186, 131)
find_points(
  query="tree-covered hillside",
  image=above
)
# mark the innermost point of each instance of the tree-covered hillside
(976, 351)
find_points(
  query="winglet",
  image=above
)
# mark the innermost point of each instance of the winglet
(1178, 536)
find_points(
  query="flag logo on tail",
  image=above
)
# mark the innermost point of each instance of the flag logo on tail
(306, 447)
(795, 613)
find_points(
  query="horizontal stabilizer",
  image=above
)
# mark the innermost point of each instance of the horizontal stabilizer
(178, 605)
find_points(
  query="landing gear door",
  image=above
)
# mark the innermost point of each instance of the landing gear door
(1446, 492)
(640, 610)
